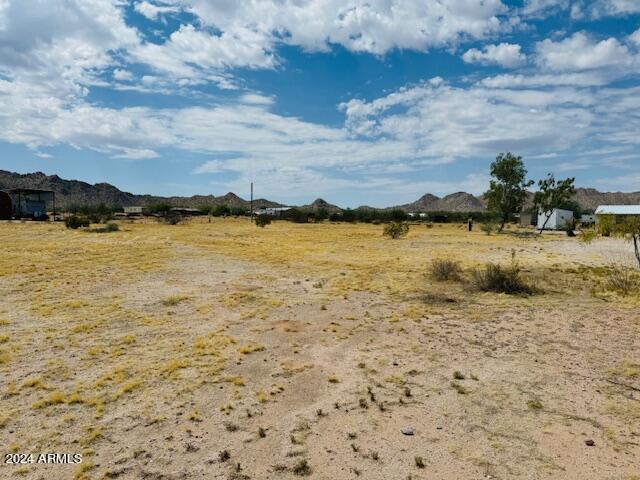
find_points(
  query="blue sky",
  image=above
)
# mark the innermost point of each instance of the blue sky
(359, 102)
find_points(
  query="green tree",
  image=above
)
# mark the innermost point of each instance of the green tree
(508, 187)
(552, 194)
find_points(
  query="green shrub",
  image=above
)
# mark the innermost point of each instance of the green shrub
(443, 269)
(74, 222)
(396, 230)
(262, 220)
(499, 279)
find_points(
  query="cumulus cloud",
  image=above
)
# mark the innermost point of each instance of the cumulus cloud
(580, 52)
(192, 53)
(122, 75)
(376, 26)
(154, 11)
(507, 55)
(543, 8)
(601, 8)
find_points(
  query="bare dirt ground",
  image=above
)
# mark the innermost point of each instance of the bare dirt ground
(224, 351)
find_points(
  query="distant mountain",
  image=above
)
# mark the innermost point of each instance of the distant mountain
(74, 192)
(455, 202)
(319, 203)
(590, 198)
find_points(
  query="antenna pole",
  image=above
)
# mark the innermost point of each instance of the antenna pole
(252, 201)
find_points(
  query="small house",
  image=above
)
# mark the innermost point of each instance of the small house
(557, 219)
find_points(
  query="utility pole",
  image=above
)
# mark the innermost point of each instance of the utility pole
(252, 201)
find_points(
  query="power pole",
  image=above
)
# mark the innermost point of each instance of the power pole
(252, 201)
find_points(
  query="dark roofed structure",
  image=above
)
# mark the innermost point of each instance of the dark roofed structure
(26, 203)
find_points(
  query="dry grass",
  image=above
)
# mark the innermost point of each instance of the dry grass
(99, 352)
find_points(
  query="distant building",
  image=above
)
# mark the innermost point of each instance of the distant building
(133, 211)
(526, 219)
(558, 219)
(187, 211)
(26, 203)
(619, 212)
(272, 211)
(587, 219)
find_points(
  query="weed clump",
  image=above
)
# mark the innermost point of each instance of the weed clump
(74, 222)
(262, 220)
(108, 228)
(302, 468)
(396, 230)
(443, 270)
(623, 280)
(499, 279)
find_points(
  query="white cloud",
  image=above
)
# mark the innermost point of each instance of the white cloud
(505, 54)
(376, 26)
(579, 52)
(635, 37)
(543, 8)
(153, 11)
(197, 55)
(122, 75)
(256, 99)
(602, 8)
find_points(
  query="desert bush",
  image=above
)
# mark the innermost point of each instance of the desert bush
(623, 280)
(444, 269)
(262, 220)
(500, 279)
(396, 230)
(172, 218)
(74, 222)
(587, 236)
(488, 227)
(108, 228)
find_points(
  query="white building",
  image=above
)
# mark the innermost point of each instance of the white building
(558, 219)
(618, 210)
(135, 210)
(272, 211)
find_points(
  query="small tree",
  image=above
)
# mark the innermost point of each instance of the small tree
(628, 229)
(552, 194)
(262, 220)
(508, 188)
(396, 230)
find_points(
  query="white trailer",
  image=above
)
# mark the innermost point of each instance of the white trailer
(558, 219)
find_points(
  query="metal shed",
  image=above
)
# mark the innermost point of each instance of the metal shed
(28, 203)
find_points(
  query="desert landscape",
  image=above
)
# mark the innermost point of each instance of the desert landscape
(221, 350)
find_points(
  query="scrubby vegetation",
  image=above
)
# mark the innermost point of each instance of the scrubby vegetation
(74, 222)
(396, 230)
(500, 279)
(262, 220)
(444, 269)
(108, 228)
